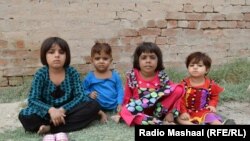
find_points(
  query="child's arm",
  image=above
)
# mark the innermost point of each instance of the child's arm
(86, 85)
(77, 91)
(214, 97)
(119, 89)
(127, 94)
(35, 95)
(183, 108)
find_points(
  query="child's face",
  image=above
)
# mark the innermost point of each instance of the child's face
(55, 57)
(148, 63)
(101, 61)
(197, 69)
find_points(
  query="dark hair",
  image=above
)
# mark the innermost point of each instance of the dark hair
(48, 43)
(98, 47)
(148, 47)
(196, 57)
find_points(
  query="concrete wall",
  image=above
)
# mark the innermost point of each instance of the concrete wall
(219, 27)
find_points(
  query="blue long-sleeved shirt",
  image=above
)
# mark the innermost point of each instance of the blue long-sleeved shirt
(109, 91)
(40, 99)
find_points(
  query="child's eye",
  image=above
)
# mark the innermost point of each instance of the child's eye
(153, 57)
(191, 65)
(144, 57)
(105, 58)
(51, 51)
(97, 58)
(61, 52)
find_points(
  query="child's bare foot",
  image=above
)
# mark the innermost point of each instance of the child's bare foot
(168, 123)
(43, 129)
(169, 119)
(104, 117)
(116, 118)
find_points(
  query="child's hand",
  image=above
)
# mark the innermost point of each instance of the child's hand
(211, 109)
(185, 116)
(57, 115)
(93, 95)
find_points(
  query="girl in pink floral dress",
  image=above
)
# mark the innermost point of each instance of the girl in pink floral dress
(150, 97)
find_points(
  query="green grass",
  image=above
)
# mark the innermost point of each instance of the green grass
(234, 77)
(95, 132)
(235, 72)
(13, 94)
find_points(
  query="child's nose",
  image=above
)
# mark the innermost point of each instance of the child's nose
(57, 53)
(195, 66)
(148, 60)
(102, 60)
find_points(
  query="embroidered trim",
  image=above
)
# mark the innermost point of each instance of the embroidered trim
(132, 81)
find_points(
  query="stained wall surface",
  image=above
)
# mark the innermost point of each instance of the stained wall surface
(221, 28)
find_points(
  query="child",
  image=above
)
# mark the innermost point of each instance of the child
(150, 97)
(103, 84)
(56, 102)
(202, 94)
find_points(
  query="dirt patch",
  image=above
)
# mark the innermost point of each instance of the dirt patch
(9, 116)
(234, 110)
(237, 111)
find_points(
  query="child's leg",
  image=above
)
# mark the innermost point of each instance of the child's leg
(212, 119)
(147, 101)
(79, 117)
(34, 123)
(173, 100)
(149, 120)
(134, 111)
(104, 117)
(170, 104)
(138, 119)
(116, 118)
(184, 122)
(159, 110)
(215, 122)
(44, 129)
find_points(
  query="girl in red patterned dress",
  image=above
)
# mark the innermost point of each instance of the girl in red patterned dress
(199, 103)
(150, 97)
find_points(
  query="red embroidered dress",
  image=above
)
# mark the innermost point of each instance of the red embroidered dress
(196, 99)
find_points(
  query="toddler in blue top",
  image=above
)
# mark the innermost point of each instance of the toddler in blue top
(103, 84)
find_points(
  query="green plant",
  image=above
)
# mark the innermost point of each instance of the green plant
(235, 72)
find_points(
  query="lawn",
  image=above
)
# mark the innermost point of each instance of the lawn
(234, 77)
(95, 132)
